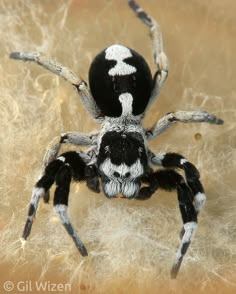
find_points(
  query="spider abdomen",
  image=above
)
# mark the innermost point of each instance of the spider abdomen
(119, 76)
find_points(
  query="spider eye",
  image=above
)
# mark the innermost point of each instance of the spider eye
(127, 174)
(116, 174)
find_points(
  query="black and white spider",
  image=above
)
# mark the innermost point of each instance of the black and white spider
(121, 90)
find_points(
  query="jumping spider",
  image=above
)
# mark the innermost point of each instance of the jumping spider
(121, 90)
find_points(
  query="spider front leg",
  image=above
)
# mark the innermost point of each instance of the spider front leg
(53, 149)
(170, 180)
(68, 166)
(174, 160)
(64, 72)
(160, 57)
(63, 180)
(49, 169)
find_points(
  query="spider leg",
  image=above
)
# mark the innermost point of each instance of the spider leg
(160, 57)
(74, 161)
(170, 180)
(74, 138)
(53, 149)
(181, 116)
(174, 160)
(64, 72)
(63, 180)
(40, 190)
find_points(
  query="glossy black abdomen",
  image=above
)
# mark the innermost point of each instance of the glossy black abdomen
(118, 70)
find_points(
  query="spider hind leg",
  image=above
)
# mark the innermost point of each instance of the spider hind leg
(55, 67)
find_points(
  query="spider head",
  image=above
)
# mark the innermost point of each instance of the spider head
(122, 160)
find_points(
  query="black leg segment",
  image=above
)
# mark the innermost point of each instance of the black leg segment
(170, 180)
(63, 180)
(40, 190)
(192, 175)
(68, 166)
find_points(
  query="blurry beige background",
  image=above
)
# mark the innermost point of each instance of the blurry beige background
(131, 244)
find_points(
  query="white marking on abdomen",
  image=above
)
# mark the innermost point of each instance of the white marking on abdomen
(126, 101)
(119, 53)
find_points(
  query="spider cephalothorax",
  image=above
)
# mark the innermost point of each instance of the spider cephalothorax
(122, 160)
(121, 90)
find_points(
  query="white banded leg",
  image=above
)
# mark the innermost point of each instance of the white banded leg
(74, 138)
(160, 57)
(189, 230)
(61, 196)
(61, 170)
(174, 160)
(37, 193)
(42, 191)
(181, 116)
(61, 210)
(169, 180)
(64, 72)
(189, 216)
